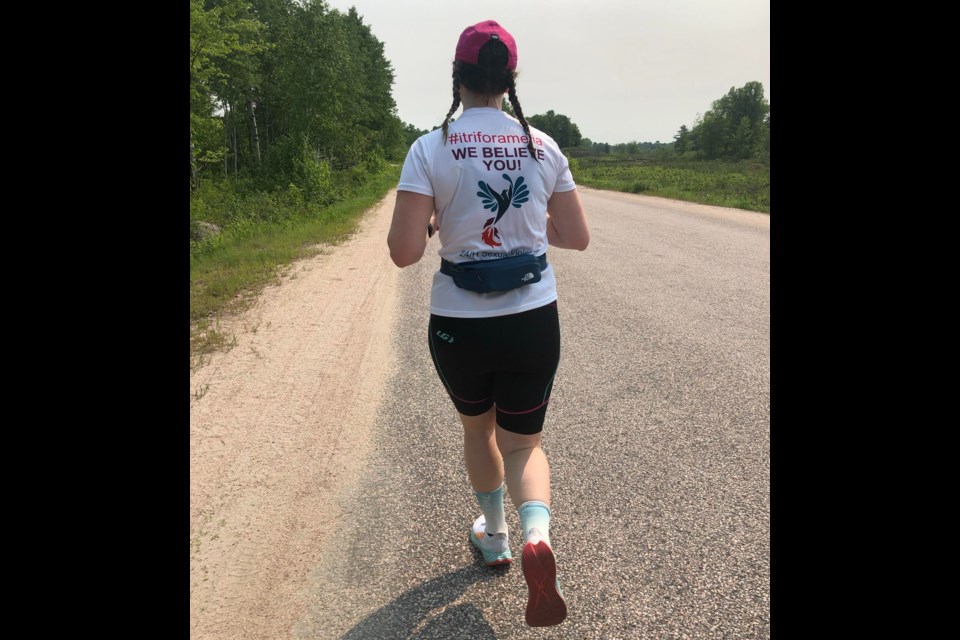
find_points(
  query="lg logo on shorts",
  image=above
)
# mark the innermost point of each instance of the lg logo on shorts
(445, 336)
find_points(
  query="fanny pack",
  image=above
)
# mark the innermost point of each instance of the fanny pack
(501, 274)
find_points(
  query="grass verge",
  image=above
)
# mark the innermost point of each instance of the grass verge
(741, 185)
(227, 275)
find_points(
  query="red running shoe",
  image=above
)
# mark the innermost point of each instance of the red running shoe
(546, 606)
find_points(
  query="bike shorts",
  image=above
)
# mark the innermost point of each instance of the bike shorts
(508, 361)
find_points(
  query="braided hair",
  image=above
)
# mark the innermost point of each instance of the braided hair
(489, 77)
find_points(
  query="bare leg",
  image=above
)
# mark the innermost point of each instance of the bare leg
(480, 452)
(528, 480)
(525, 467)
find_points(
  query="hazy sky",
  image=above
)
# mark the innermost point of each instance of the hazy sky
(621, 70)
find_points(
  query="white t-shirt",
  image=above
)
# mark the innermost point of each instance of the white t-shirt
(490, 199)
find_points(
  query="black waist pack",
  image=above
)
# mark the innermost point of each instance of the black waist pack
(501, 274)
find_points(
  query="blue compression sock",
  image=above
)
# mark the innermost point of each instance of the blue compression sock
(491, 504)
(535, 514)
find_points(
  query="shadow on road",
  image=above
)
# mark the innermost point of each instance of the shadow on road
(402, 617)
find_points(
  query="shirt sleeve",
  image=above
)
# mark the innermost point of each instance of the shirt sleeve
(565, 178)
(414, 175)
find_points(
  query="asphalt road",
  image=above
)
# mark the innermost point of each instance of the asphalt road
(658, 434)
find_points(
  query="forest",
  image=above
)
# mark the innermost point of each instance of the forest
(287, 92)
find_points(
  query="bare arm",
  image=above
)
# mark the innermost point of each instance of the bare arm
(408, 230)
(567, 222)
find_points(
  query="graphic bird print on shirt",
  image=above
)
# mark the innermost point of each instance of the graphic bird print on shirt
(515, 195)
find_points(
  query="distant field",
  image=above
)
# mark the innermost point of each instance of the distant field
(742, 185)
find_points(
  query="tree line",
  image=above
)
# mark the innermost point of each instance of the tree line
(737, 127)
(294, 91)
(287, 91)
(558, 126)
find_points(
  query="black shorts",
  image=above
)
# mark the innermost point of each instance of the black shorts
(509, 361)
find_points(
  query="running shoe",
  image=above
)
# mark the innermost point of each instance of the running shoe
(494, 547)
(545, 606)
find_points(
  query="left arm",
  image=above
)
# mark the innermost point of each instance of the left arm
(566, 221)
(408, 230)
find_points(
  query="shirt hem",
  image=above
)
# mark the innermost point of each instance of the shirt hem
(492, 313)
(406, 186)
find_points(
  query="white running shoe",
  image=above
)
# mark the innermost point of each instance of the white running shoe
(495, 548)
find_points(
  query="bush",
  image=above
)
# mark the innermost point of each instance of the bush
(315, 177)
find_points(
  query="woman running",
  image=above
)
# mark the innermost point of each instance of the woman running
(497, 192)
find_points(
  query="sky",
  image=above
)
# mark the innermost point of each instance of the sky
(621, 70)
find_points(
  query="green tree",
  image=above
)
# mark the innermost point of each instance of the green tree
(747, 102)
(557, 126)
(712, 135)
(333, 85)
(742, 139)
(289, 91)
(736, 127)
(763, 144)
(681, 141)
(224, 44)
(411, 133)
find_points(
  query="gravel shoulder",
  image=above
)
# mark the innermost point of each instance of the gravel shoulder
(279, 425)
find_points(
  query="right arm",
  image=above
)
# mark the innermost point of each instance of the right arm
(567, 221)
(407, 238)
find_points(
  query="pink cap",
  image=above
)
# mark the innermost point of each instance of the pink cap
(472, 38)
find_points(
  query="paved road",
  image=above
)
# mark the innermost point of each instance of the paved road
(657, 433)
